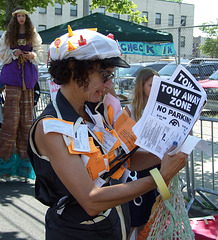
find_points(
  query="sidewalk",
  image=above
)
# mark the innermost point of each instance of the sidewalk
(22, 216)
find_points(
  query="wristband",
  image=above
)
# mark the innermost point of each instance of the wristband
(163, 189)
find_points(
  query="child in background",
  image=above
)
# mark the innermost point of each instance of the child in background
(140, 208)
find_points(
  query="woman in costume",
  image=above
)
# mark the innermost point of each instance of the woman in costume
(73, 142)
(140, 208)
(20, 50)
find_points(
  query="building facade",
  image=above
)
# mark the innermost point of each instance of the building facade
(171, 17)
(197, 41)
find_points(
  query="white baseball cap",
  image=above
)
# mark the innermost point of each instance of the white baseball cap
(85, 44)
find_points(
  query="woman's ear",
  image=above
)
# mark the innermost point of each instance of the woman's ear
(71, 67)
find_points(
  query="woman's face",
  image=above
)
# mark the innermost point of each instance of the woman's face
(147, 87)
(99, 81)
(21, 18)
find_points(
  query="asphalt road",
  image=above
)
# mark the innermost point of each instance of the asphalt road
(21, 215)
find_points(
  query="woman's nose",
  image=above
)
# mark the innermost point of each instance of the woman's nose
(108, 84)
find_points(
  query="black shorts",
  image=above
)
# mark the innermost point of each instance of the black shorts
(75, 224)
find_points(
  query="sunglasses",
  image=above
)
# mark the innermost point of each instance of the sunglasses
(106, 75)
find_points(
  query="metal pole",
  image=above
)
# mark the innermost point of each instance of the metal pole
(179, 44)
(85, 8)
(179, 35)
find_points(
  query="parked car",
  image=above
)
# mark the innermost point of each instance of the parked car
(126, 76)
(199, 70)
(211, 87)
(167, 71)
(203, 70)
(156, 66)
(43, 69)
(203, 60)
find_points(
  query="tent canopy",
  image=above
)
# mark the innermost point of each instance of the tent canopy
(122, 30)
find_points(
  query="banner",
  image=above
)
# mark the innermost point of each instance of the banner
(148, 49)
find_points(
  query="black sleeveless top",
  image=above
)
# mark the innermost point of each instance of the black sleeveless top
(48, 187)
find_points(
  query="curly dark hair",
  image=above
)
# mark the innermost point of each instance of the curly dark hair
(61, 70)
(12, 33)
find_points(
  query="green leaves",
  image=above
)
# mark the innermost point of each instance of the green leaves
(120, 7)
(212, 31)
(210, 46)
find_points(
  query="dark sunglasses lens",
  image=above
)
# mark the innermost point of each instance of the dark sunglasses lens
(107, 77)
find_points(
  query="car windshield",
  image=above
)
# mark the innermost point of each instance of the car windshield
(43, 68)
(128, 72)
(193, 70)
(168, 70)
(214, 76)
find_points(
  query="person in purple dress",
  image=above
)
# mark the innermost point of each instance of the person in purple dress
(20, 50)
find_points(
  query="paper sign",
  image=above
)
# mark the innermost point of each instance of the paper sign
(183, 77)
(114, 102)
(53, 87)
(172, 109)
(99, 182)
(123, 127)
(108, 139)
(58, 126)
(96, 118)
(80, 137)
(92, 147)
(190, 142)
(95, 164)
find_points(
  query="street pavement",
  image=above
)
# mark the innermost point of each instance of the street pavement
(22, 216)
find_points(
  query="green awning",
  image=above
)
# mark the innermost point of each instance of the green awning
(121, 29)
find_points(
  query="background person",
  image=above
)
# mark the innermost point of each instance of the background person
(140, 208)
(1, 103)
(82, 63)
(20, 49)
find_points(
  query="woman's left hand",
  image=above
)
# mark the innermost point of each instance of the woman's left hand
(28, 55)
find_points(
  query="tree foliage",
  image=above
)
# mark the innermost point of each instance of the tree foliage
(210, 46)
(116, 6)
(120, 7)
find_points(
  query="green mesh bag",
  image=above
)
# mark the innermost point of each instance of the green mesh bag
(169, 219)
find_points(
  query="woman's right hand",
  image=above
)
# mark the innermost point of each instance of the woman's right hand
(171, 165)
(18, 52)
